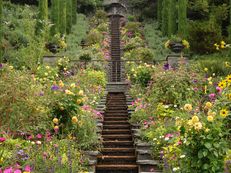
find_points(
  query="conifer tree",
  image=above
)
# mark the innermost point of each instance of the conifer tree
(159, 11)
(42, 17)
(74, 11)
(182, 18)
(55, 16)
(62, 17)
(69, 15)
(164, 21)
(172, 18)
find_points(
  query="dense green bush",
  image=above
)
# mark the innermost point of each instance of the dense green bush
(172, 86)
(211, 33)
(93, 37)
(22, 105)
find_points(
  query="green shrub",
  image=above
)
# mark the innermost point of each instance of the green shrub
(172, 86)
(22, 105)
(211, 33)
(134, 27)
(133, 43)
(141, 53)
(214, 63)
(94, 37)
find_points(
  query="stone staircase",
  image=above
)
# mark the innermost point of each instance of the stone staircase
(118, 152)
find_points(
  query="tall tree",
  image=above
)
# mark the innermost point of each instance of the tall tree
(42, 17)
(69, 15)
(159, 11)
(55, 16)
(182, 18)
(164, 20)
(172, 17)
(62, 17)
(1, 4)
(74, 11)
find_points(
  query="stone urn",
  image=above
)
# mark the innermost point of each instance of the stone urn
(176, 47)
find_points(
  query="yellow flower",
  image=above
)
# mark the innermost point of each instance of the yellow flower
(186, 44)
(210, 118)
(190, 123)
(188, 107)
(81, 92)
(198, 125)
(61, 84)
(79, 101)
(55, 120)
(227, 64)
(207, 130)
(208, 105)
(166, 45)
(73, 85)
(229, 96)
(74, 119)
(223, 43)
(206, 69)
(224, 113)
(56, 128)
(228, 78)
(222, 85)
(195, 119)
(68, 92)
(210, 113)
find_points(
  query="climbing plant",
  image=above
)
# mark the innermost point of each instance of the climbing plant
(42, 17)
(55, 16)
(62, 17)
(69, 15)
(182, 17)
(74, 10)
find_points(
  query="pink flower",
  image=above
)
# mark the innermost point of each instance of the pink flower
(30, 137)
(8, 170)
(218, 89)
(169, 135)
(17, 171)
(39, 136)
(27, 168)
(2, 139)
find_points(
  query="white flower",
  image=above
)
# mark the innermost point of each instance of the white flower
(38, 142)
(154, 139)
(175, 106)
(166, 139)
(175, 169)
(182, 156)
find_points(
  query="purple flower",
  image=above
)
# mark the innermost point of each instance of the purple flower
(1, 65)
(166, 66)
(54, 88)
(41, 93)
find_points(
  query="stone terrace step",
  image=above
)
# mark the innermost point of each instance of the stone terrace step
(116, 159)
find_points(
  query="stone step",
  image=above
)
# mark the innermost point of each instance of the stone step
(116, 123)
(117, 137)
(117, 168)
(118, 144)
(126, 126)
(118, 151)
(116, 131)
(119, 118)
(116, 159)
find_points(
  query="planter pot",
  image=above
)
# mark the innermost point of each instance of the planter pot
(176, 47)
(54, 48)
